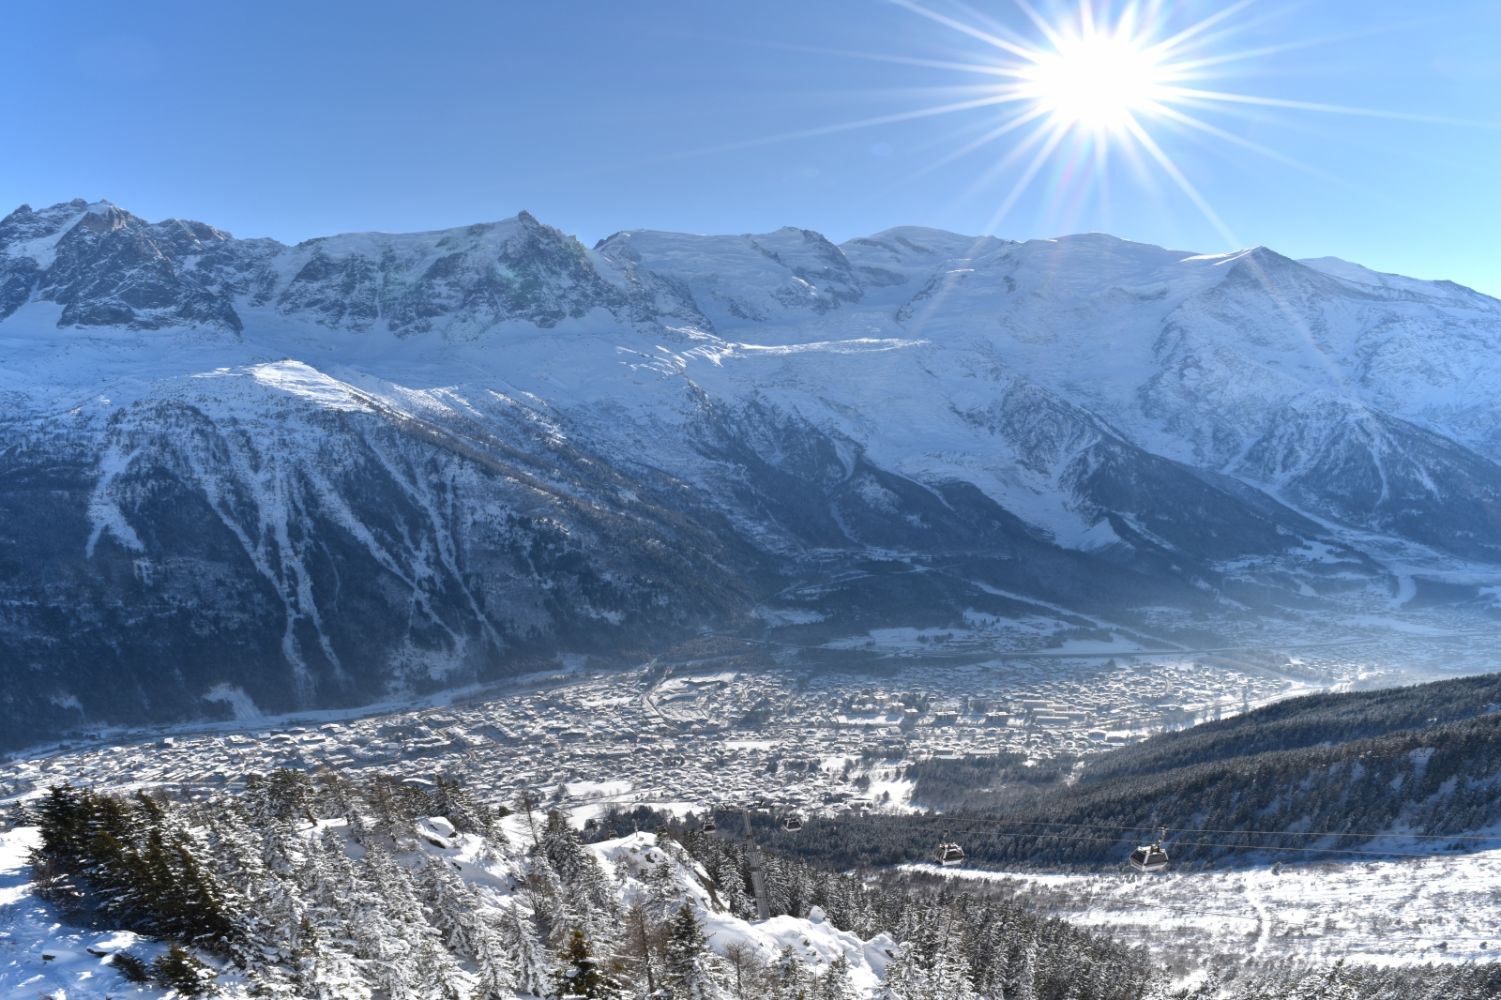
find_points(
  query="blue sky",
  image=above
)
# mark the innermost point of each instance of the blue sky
(295, 120)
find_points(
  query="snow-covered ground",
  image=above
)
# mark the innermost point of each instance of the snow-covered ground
(814, 939)
(42, 957)
(1442, 908)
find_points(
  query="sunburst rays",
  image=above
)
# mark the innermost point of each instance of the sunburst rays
(1095, 83)
(1106, 79)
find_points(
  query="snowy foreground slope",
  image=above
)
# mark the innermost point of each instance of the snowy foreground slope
(383, 905)
(82, 966)
(237, 476)
(334, 887)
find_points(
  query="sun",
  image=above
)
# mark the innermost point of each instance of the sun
(1095, 80)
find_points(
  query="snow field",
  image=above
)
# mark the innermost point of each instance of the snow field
(814, 939)
(1439, 909)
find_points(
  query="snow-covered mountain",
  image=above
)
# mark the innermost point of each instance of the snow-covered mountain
(238, 475)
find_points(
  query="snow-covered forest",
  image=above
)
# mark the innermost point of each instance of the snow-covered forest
(329, 887)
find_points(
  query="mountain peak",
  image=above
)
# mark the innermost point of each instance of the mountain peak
(921, 233)
(1253, 255)
(104, 216)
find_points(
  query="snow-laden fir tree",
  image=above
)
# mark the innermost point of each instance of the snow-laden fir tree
(688, 971)
(522, 944)
(580, 974)
(454, 909)
(787, 978)
(834, 982)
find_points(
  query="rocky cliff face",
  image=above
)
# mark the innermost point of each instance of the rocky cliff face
(239, 474)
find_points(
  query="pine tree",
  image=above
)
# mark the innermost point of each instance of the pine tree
(522, 946)
(549, 904)
(1026, 973)
(581, 975)
(435, 968)
(453, 909)
(788, 975)
(949, 977)
(834, 983)
(328, 883)
(687, 971)
(905, 978)
(730, 883)
(941, 973)
(284, 794)
(130, 861)
(496, 977)
(641, 947)
(453, 802)
(662, 890)
(266, 912)
(577, 869)
(390, 929)
(180, 971)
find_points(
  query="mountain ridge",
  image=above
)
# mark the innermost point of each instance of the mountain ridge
(221, 459)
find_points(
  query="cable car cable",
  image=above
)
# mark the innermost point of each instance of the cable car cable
(1126, 831)
(1233, 847)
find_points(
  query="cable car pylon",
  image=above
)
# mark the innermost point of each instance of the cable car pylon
(758, 878)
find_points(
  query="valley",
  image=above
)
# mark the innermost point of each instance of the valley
(731, 732)
(624, 756)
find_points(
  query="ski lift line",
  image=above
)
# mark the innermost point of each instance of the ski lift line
(1131, 830)
(1232, 847)
(1250, 848)
(1127, 831)
(1248, 832)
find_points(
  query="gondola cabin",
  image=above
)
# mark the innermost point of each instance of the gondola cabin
(950, 855)
(1149, 858)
